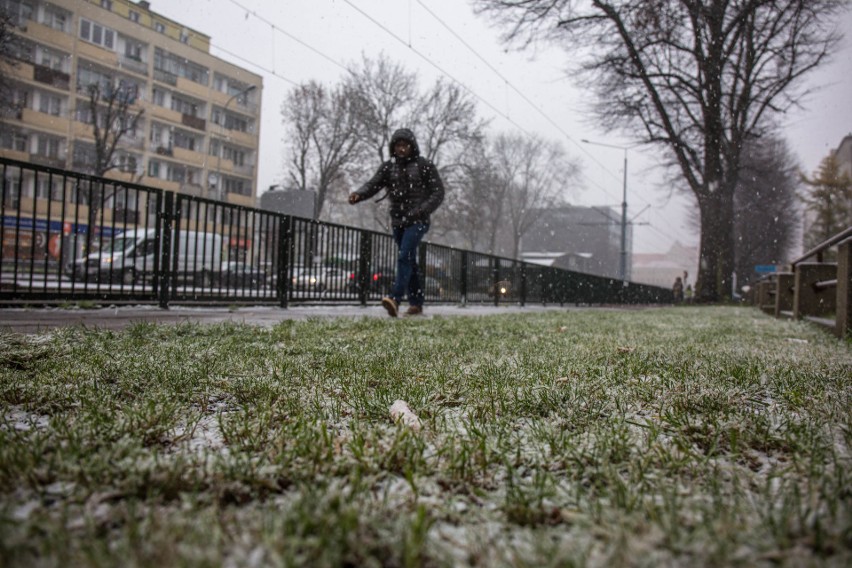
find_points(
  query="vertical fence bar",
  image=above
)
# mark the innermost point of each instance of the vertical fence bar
(365, 262)
(495, 279)
(463, 278)
(166, 229)
(283, 271)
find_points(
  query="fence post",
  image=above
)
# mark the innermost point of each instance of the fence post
(808, 300)
(282, 287)
(495, 278)
(784, 293)
(844, 288)
(365, 262)
(165, 226)
(523, 297)
(463, 278)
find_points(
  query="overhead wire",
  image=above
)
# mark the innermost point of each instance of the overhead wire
(504, 115)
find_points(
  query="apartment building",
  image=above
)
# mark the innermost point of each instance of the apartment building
(199, 125)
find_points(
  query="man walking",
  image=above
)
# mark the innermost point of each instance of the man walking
(415, 191)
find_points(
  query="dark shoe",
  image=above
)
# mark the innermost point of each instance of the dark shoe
(391, 306)
(414, 311)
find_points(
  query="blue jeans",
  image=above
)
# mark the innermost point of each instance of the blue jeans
(407, 272)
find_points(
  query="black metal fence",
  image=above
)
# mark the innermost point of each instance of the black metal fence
(69, 237)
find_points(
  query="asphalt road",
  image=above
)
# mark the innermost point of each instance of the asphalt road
(20, 320)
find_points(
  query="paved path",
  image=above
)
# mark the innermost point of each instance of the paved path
(35, 320)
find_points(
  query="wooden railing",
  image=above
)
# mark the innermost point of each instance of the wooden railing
(813, 289)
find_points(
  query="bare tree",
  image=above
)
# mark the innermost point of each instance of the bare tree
(7, 62)
(698, 79)
(472, 213)
(112, 118)
(533, 175)
(385, 96)
(323, 138)
(767, 211)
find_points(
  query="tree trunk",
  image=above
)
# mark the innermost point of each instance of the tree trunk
(716, 264)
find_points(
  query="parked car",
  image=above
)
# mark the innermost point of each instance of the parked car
(241, 274)
(319, 279)
(432, 287)
(380, 281)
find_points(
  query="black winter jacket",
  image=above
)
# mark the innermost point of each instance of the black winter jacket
(413, 184)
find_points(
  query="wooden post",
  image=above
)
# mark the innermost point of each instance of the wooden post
(844, 288)
(808, 299)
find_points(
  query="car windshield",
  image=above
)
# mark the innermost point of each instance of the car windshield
(120, 244)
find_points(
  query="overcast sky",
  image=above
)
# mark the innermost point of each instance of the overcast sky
(293, 41)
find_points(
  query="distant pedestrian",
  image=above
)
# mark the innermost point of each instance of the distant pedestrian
(677, 290)
(415, 191)
(687, 294)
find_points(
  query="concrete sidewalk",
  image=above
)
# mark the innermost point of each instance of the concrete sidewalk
(21, 320)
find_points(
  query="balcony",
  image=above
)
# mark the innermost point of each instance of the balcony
(97, 54)
(132, 64)
(51, 77)
(137, 142)
(50, 36)
(166, 114)
(44, 121)
(50, 161)
(244, 170)
(193, 122)
(164, 151)
(189, 156)
(192, 88)
(165, 77)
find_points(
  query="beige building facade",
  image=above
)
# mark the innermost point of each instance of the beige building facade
(198, 132)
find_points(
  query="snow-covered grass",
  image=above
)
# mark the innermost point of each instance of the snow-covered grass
(687, 437)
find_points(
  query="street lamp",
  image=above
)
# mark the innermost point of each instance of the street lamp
(622, 266)
(219, 184)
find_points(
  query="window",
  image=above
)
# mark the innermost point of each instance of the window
(83, 156)
(236, 123)
(106, 4)
(237, 186)
(126, 163)
(20, 96)
(184, 36)
(50, 104)
(13, 140)
(133, 50)
(171, 64)
(185, 140)
(55, 18)
(158, 96)
(52, 59)
(159, 27)
(237, 156)
(21, 49)
(20, 11)
(49, 189)
(160, 136)
(134, 16)
(83, 112)
(97, 34)
(48, 147)
(184, 106)
(154, 169)
(89, 76)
